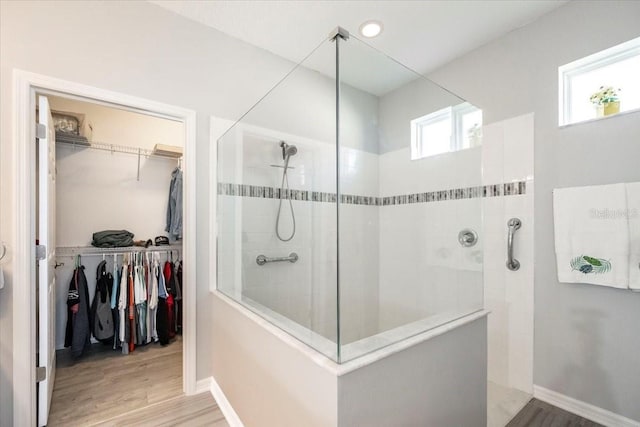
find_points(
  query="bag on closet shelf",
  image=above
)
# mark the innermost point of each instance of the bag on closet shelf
(101, 314)
(112, 239)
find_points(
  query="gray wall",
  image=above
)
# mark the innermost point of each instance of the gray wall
(586, 337)
(439, 382)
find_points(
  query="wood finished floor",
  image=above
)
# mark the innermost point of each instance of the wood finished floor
(106, 388)
(541, 414)
(142, 388)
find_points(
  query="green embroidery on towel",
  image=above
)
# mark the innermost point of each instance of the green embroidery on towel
(586, 264)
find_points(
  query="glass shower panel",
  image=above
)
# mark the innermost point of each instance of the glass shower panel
(277, 206)
(410, 182)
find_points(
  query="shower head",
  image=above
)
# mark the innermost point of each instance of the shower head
(291, 150)
(288, 150)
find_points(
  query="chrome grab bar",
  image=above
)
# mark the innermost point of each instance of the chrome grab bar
(262, 260)
(513, 224)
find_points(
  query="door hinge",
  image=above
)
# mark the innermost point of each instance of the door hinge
(41, 131)
(41, 373)
(41, 252)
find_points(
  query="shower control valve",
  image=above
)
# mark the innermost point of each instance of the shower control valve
(467, 238)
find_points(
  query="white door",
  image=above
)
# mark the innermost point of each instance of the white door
(46, 276)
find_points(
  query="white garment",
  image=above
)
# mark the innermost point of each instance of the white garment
(633, 208)
(592, 235)
(139, 289)
(153, 297)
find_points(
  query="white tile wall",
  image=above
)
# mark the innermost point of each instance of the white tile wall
(401, 175)
(507, 155)
(423, 268)
(305, 292)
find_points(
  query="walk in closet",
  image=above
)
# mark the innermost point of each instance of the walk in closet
(117, 314)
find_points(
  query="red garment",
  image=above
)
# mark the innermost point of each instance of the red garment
(167, 277)
(132, 308)
(170, 311)
(169, 281)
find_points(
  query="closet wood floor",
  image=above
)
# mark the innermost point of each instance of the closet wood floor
(142, 388)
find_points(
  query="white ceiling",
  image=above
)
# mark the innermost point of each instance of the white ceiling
(423, 35)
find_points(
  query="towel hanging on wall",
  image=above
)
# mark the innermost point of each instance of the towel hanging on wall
(592, 235)
(633, 214)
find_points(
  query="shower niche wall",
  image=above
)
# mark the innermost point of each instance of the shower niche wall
(380, 171)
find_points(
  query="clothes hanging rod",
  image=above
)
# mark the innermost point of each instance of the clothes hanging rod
(91, 250)
(118, 149)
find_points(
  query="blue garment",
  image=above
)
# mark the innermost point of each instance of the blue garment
(162, 289)
(114, 288)
(174, 206)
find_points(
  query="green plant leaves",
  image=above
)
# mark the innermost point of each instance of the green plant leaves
(590, 265)
(592, 261)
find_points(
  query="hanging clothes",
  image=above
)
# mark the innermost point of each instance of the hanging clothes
(101, 319)
(174, 206)
(140, 291)
(123, 325)
(115, 296)
(153, 298)
(179, 297)
(170, 281)
(162, 315)
(131, 312)
(147, 284)
(78, 332)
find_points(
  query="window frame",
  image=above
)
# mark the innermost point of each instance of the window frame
(601, 59)
(452, 113)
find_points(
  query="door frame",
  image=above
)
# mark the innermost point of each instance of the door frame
(25, 85)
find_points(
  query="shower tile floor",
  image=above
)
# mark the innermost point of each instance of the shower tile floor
(503, 404)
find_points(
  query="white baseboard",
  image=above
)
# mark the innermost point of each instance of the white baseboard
(209, 384)
(203, 385)
(583, 409)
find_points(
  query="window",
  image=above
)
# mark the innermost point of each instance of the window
(617, 67)
(450, 129)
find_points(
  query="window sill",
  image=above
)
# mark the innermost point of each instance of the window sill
(597, 119)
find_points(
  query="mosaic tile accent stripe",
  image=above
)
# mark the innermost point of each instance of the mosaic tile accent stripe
(495, 190)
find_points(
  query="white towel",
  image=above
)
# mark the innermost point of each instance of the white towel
(592, 235)
(633, 212)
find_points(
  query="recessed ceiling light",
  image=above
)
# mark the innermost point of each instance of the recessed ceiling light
(371, 29)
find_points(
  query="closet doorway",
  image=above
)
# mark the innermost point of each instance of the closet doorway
(112, 170)
(110, 302)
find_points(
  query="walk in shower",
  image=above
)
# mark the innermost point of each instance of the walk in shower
(349, 203)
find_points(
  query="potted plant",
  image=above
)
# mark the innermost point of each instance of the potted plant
(606, 101)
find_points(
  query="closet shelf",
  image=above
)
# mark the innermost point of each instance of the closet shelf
(92, 250)
(121, 149)
(173, 151)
